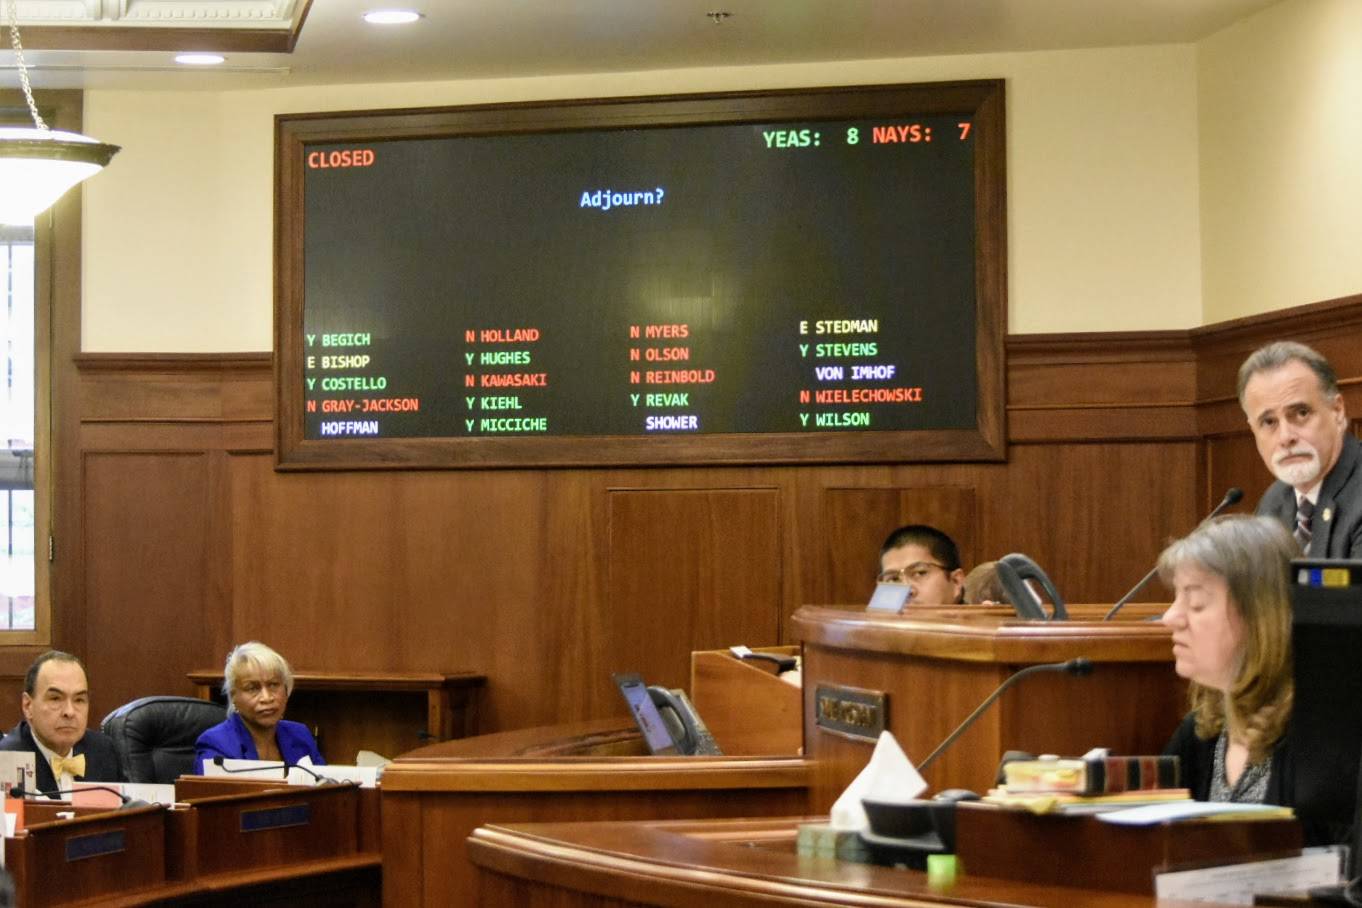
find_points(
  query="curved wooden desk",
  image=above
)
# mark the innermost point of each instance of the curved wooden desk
(434, 798)
(934, 666)
(721, 864)
(618, 737)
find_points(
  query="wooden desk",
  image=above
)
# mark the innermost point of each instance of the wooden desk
(307, 849)
(723, 864)
(108, 854)
(936, 665)
(1062, 851)
(434, 798)
(368, 821)
(256, 830)
(386, 712)
(616, 737)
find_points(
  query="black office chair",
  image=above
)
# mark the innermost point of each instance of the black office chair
(154, 736)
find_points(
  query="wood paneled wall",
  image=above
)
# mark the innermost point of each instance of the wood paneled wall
(179, 539)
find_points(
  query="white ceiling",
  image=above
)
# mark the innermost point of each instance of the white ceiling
(459, 39)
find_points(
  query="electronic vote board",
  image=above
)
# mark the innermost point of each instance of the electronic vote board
(599, 278)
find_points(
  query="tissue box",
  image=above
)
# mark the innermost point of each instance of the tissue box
(820, 840)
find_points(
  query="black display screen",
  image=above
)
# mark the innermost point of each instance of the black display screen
(784, 277)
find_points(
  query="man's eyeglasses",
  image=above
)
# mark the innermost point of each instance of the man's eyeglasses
(916, 572)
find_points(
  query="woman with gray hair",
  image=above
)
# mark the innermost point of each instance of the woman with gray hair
(257, 682)
(1231, 624)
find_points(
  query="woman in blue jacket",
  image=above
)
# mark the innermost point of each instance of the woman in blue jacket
(257, 682)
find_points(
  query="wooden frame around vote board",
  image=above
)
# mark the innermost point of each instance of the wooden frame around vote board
(983, 100)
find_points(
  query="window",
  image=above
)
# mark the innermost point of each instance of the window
(18, 430)
(39, 341)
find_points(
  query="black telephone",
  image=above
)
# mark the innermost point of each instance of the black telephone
(668, 720)
(1014, 572)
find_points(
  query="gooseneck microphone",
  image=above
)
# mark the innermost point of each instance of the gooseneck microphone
(1232, 497)
(127, 803)
(1079, 667)
(284, 767)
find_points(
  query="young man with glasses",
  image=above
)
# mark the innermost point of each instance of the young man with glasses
(925, 559)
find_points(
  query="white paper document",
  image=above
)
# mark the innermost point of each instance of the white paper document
(1150, 814)
(152, 794)
(1236, 884)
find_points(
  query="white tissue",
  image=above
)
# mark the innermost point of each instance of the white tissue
(889, 776)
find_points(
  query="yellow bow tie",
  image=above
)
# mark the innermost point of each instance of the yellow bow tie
(74, 765)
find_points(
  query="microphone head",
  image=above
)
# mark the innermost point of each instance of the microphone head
(219, 761)
(1079, 667)
(1233, 495)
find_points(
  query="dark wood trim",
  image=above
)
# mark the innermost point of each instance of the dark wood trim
(174, 362)
(1098, 347)
(168, 40)
(990, 291)
(1326, 316)
(171, 39)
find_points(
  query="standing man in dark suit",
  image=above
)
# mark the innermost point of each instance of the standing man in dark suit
(1291, 398)
(56, 706)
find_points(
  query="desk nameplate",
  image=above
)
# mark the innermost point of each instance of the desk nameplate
(276, 817)
(81, 847)
(851, 712)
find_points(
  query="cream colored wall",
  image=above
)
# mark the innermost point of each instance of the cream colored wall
(1280, 97)
(1103, 219)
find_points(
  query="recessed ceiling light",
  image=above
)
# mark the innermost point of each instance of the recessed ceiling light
(200, 59)
(391, 16)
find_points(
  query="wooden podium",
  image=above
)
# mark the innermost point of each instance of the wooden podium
(919, 675)
(749, 709)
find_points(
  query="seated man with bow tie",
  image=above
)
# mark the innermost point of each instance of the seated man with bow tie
(1291, 397)
(56, 706)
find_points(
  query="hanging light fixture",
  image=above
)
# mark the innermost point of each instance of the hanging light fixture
(38, 165)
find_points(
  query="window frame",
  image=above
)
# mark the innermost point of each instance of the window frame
(56, 330)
